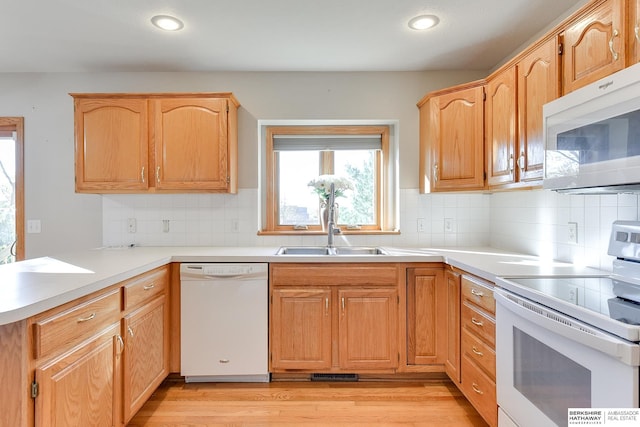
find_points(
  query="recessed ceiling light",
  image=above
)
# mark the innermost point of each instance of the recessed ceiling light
(167, 23)
(423, 22)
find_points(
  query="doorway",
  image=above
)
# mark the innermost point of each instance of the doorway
(11, 189)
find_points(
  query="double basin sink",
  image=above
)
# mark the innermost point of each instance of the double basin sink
(335, 251)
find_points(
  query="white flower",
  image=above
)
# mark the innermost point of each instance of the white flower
(322, 185)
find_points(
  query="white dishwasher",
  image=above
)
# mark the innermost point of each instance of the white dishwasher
(224, 322)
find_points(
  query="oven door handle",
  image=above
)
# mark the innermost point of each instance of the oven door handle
(569, 328)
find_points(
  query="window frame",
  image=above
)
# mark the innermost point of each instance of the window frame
(386, 176)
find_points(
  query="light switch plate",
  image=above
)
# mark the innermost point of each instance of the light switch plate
(572, 233)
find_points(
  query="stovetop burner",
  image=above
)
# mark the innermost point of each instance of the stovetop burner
(611, 303)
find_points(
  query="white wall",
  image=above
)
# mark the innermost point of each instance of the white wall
(529, 221)
(74, 221)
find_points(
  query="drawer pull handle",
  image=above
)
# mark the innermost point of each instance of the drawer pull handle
(130, 331)
(86, 319)
(326, 306)
(477, 293)
(476, 351)
(475, 388)
(149, 287)
(476, 322)
(142, 175)
(223, 360)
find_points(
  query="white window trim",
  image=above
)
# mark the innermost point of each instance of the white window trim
(392, 213)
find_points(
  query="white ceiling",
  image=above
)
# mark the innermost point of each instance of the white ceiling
(267, 35)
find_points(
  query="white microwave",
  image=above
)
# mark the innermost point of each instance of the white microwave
(592, 136)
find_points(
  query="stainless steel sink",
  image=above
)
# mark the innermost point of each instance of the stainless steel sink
(359, 250)
(335, 251)
(303, 250)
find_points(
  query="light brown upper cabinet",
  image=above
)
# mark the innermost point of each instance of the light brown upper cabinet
(500, 125)
(538, 83)
(452, 139)
(132, 143)
(594, 46)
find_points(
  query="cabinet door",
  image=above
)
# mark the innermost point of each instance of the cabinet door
(501, 128)
(594, 47)
(301, 328)
(191, 150)
(111, 139)
(538, 83)
(425, 316)
(458, 162)
(368, 328)
(80, 388)
(146, 355)
(452, 362)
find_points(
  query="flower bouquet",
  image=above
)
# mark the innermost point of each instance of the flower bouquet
(322, 186)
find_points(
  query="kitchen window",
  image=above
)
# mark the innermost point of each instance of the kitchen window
(295, 155)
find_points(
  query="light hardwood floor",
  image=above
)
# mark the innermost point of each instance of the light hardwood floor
(421, 403)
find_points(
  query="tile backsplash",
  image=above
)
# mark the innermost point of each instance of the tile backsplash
(533, 222)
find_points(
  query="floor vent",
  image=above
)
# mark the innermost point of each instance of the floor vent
(334, 377)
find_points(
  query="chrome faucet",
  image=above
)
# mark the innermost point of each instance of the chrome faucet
(331, 223)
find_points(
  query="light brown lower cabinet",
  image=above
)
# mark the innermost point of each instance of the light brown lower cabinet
(301, 328)
(80, 387)
(426, 316)
(452, 360)
(89, 362)
(478, 340)
(334, 318)
(146, 354)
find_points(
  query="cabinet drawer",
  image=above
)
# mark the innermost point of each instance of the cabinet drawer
(333, 274)
(144, 287)
(479, 352)
(481, 391)
(67, 328)
(478, 323)
(478, 293)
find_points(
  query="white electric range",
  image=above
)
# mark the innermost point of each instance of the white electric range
(565, 343)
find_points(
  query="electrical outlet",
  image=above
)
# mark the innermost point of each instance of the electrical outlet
(131, 225)
(449, 225)
(165, 225)
(572, 233)
(421, 225)
(34, 226)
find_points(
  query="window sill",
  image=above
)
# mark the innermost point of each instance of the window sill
(324, 233)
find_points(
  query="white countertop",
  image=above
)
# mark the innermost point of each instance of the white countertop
(33, 286)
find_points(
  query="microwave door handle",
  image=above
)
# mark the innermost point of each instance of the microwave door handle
(623, 351)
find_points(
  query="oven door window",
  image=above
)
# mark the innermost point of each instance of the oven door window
(549, 379)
